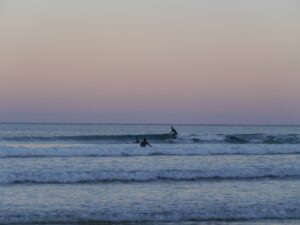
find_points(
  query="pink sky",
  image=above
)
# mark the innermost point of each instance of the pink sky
(150, 61)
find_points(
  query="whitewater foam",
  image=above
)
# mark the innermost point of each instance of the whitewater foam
(145, 169)
(79, 177)
(136, 150)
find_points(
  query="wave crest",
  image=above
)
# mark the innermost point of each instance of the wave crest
(71, 177)
(135, 150)
(165, 138)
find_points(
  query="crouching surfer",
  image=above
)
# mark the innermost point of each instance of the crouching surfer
(144, 143)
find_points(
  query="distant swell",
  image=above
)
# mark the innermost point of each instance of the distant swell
(263, 138)
(127, 138)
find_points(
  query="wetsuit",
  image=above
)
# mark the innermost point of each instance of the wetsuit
(173, 132)
(144, 143)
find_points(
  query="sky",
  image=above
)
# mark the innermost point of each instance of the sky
(158, 61)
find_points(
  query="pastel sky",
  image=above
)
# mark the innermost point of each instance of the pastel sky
(158, 61)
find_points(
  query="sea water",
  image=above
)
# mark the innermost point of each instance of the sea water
(97, 174)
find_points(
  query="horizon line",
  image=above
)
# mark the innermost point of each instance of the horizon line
(155, 123)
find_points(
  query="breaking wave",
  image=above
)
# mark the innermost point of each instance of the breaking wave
(258, 138)
(179, 215)
(263, 138)
(94, 176)
(135, 150)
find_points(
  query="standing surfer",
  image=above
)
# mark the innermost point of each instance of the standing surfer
(173, 132)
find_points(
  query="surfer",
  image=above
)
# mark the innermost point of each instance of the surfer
(173, 132)
(144, 143)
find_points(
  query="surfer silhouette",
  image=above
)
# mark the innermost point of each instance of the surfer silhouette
(173, 132)
(144, 143)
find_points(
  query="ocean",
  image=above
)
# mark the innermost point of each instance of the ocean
(97, 174)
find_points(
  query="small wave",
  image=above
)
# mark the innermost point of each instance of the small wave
(135, 150)
(256, 214)
(95, 176)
